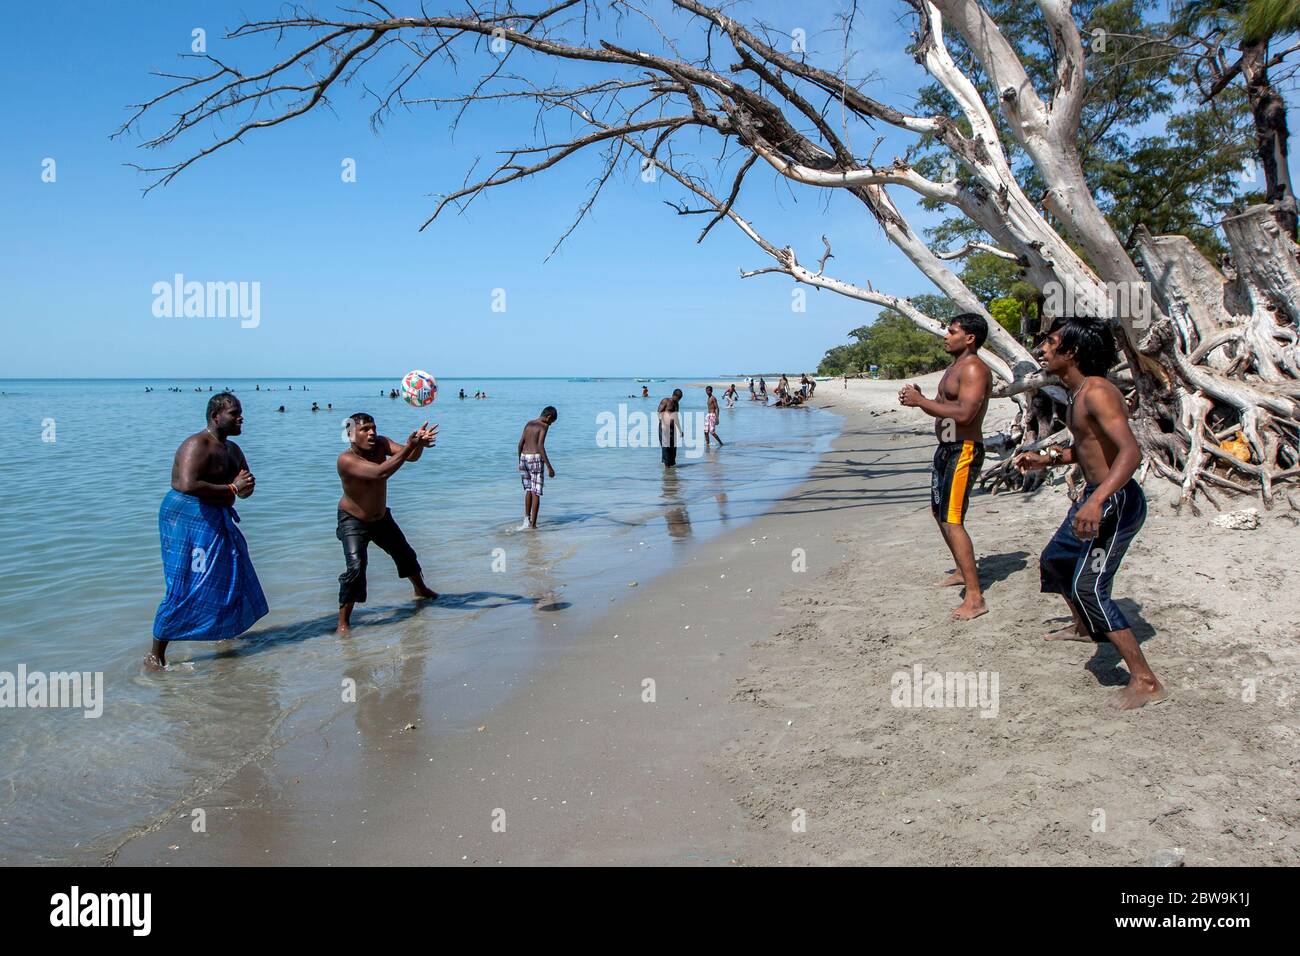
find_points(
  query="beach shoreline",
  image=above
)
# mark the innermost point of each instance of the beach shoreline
(329, 773)
(771, 736)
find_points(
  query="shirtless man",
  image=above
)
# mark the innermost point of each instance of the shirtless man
(668, 420)
(208, 465)
(958, 409)
(1081, 560)
(363, 513)
(730, 395)
(711, 418)
(532, 456)
(212, 590)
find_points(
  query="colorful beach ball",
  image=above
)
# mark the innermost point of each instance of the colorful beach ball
(419, 388)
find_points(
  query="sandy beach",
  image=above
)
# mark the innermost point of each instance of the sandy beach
(737, 709)
(1205, 772)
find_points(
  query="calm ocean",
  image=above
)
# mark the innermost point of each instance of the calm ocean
(81, 576)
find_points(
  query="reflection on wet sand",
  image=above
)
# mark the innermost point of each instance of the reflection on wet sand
(539, 562)
(387, 692)
(227, 701)
(717, 477)
(676, 515)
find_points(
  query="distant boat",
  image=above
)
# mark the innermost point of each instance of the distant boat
(645, 380)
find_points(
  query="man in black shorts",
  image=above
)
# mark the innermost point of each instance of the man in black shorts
(958, 409)
(363, 513)
(1081, 560)
(669, 427)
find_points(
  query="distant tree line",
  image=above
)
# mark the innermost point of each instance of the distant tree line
(898, 348)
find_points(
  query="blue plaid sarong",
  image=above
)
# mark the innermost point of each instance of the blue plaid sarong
(212, 590)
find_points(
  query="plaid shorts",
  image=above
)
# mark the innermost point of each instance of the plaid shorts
(530, 470)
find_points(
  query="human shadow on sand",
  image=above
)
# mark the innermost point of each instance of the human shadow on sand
(995, 568)
(1105, 661)
(480, 600)
(365, 616)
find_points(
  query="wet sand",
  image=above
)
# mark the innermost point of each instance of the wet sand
(771, 689)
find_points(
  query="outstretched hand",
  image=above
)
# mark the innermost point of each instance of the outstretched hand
(1031, 461)
(423, 437)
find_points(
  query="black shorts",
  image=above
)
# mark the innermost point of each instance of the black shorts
(957, 465)
(1083, 571)
(356, 535)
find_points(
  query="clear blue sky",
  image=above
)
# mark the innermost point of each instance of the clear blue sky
(348, 284)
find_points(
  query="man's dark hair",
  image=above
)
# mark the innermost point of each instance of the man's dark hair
(550, 412)
(361, 418)
(677, 393)
(709, 389)
(1088, 341)
(972, 324)
(219, 401)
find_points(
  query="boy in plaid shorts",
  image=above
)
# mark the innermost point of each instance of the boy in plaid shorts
(532, 458)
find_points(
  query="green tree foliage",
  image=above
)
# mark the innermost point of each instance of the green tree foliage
(1251, 21)
(1265, 19)
(990, 277)
(894, 343)
(1153, 153)
(1006, 312)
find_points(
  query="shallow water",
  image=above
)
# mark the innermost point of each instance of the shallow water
(81, 574)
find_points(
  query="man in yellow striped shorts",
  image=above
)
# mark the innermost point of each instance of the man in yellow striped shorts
(958, 409)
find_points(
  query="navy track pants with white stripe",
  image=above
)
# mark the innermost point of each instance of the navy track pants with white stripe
(1082, 570)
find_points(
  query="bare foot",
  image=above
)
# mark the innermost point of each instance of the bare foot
(1138, 693)
(428, 594)
(1067, 633)
(153, 664)
(968, 610)
(343, 630)
(951, 581)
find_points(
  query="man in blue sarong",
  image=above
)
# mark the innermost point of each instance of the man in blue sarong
(212, 590)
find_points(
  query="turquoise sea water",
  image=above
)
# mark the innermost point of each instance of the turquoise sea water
(81, 574)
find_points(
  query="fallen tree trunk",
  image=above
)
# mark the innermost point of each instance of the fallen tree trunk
(1229, 414)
